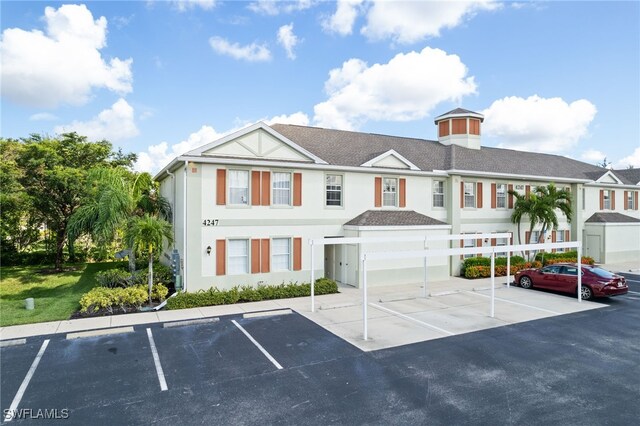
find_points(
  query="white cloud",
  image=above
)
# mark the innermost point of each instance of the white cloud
(299, 118)
(184, 5)
(593, 156)
(538, 124)
(342, 21)
(252, 52)
(43, 116)
(113, 124)
(407, 88)
(158, 156)
(630, 160)
(413, 21)
(275, 7)
(62, 65)
(288, 40)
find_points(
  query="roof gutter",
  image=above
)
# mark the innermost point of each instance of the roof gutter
(512, 176)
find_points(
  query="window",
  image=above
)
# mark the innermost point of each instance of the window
(569, 270)
(389, 192)
(629, 200)
(560, 239)
(469, 194)
(501, 196)
(535, 237)
(606, 199)
(281, 189)
(281, 254)
(333, 185)
(238, 187)
(468, 244)
(238, 257)
(553, 269)
(438, 193)
(501, 242)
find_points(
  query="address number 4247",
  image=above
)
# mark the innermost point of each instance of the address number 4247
(210, 222)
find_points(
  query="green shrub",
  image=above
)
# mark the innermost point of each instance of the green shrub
(112, 278)
(483, 271)
(158, 292)
(241, 294)
(486, 261)
(119, 298)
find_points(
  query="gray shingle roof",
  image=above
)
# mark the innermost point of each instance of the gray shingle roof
(611, 218)
(344, 148)
(628, 176)
(393, 218)
(458, 111)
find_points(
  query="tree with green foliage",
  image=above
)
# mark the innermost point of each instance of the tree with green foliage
(147, 234)
(53, 176)
(113, 197)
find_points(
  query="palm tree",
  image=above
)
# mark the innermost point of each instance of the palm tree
(147, 234)
(115, 196)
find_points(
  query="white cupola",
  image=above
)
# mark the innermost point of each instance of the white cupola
(459, 127)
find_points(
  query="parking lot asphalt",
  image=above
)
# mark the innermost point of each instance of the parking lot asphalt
(582, 369)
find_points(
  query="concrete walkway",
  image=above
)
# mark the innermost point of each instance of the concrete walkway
(397, 315)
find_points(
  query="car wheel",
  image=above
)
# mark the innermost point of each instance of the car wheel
(525, 282)
(586, 293)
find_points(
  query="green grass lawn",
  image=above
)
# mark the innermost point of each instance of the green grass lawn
(56, 295)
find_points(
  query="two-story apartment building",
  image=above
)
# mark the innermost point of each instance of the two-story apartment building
(245, 206)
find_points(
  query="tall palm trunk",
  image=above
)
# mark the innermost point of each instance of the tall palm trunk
(150, 271)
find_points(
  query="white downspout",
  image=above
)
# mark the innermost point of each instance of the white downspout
(184, 231)
(173, 213)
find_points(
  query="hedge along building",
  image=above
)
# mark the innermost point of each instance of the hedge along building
(246, 205)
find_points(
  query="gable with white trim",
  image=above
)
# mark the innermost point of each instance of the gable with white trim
(257, 144)
(609, 177)
(392, 160)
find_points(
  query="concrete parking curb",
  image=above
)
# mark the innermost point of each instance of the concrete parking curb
(189, 322)
(98, 333)
(14, 342)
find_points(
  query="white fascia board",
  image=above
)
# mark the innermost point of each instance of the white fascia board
(293, 164)
(259, 125)
(610, 174)
(612, 185)
(459, 115)
(507, 176)
(391, 152)
(396, 228)
(612, 224)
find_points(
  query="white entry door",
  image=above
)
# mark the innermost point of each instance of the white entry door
(352, 264)
(593, 247)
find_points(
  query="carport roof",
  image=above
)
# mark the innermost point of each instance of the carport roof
(611, 218)
(393, 218)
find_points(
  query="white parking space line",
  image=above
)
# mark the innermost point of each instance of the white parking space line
(23, 387)
(516, 303)
(403, 316)
(258, 345)
(156, 360)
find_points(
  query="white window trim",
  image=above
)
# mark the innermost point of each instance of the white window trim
(272, 254)
(475, 195)
(630, 201)
(506, 196)
(444, 195)
(239, 206)
(272, 189)
(397, 192)
(324, 194)
(464, 245)
(606, 199)
(560, 239)
(248, 264)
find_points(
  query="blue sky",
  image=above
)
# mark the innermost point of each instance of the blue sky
(161, 77)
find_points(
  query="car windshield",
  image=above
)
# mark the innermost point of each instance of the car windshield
(602, 273)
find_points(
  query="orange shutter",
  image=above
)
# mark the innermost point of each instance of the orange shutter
(377, 196)
(510, 196)
(553, 240)
(255, 256)
(264, 256)
(443, 128)
(297, 254)
(635, 202)
(626, 197)
(613, 199)
(459, 126)
(527, 190)
(493, 195)
(403, 192)
(567, 235)
(266, 189)
(220, 257)
(255, 188)
(493, 242)
(479, 196)
(297, 189)
(479, 244)
(526, 237)
(461, 195)
(602, 199)
(221, 187)
(461, 246)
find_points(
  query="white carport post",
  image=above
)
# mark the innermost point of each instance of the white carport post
(493, 283)
(509, 267)
(365, 302)
(313, 300)
(579, 248)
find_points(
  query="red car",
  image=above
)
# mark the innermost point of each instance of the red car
(596, 282)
